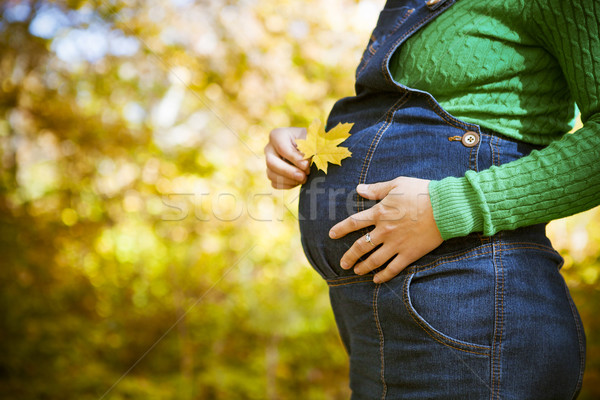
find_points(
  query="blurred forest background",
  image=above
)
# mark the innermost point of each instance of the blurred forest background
(143, 253)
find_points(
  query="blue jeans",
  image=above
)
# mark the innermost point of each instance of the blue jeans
(478, 317)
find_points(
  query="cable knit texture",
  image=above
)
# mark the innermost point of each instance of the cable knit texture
(516, 67)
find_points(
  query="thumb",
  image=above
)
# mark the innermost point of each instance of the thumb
(375, 191)
(285, 146)
(296, 157)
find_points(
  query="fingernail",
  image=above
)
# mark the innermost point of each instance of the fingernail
(357, 271)
(343, 265)
(377, 279)
(332, 234)
(361, 188)
(299, 176)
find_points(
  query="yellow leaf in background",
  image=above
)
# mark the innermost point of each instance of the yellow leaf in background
(323, 147)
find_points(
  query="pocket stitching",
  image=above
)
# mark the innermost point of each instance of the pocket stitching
(436, 334)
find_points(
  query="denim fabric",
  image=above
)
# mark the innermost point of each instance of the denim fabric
(478, 317)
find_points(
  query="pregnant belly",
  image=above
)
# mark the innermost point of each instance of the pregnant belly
(398, 146)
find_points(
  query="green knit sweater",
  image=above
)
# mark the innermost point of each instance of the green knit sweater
(517, 67)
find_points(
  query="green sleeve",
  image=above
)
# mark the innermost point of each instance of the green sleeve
(563, 178)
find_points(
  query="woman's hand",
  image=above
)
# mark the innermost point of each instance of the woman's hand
(286, 167)
(404, 226)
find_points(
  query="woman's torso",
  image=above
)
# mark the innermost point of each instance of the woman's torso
(398, 131)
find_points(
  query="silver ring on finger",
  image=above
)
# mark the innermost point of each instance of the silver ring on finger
(368, 239)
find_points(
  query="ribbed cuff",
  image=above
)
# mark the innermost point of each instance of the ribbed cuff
(455, 208)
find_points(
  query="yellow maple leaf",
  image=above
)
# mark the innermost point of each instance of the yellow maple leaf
(324, 147)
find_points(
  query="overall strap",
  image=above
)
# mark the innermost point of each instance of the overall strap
(398, 21)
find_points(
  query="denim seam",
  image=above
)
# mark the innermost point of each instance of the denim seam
(415, 27)
(440, 111)
(370, 49)
(437, 336)
(498, 320)
(436, 107)
(365, 60)
(388, 122)
(580, 342)
(471, 158)
(356, 279)
(343, 278)
(381, 340)
(399, 23)
(448, 259)
(444, 343)
(540, 248)
(497, 152)
(402, 20)
(412, 269)
(444, 260)
(493, 150)
(374, 142)
(496, 155)
(476, 149)
(449, 118)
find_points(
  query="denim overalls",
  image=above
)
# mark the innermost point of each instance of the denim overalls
(479, 317)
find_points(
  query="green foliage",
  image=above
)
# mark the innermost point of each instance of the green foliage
(143, 252)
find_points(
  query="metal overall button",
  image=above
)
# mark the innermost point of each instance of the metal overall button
(433, 4)
(470, 139)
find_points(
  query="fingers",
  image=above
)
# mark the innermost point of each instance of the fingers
(375, 191)
(358, 249)
(284, 144)
(280, 167)
(281, 182)
(401, 238)
(396, 266)
(354, 222)
(286, 167)
(375, 260)
(280, 172)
